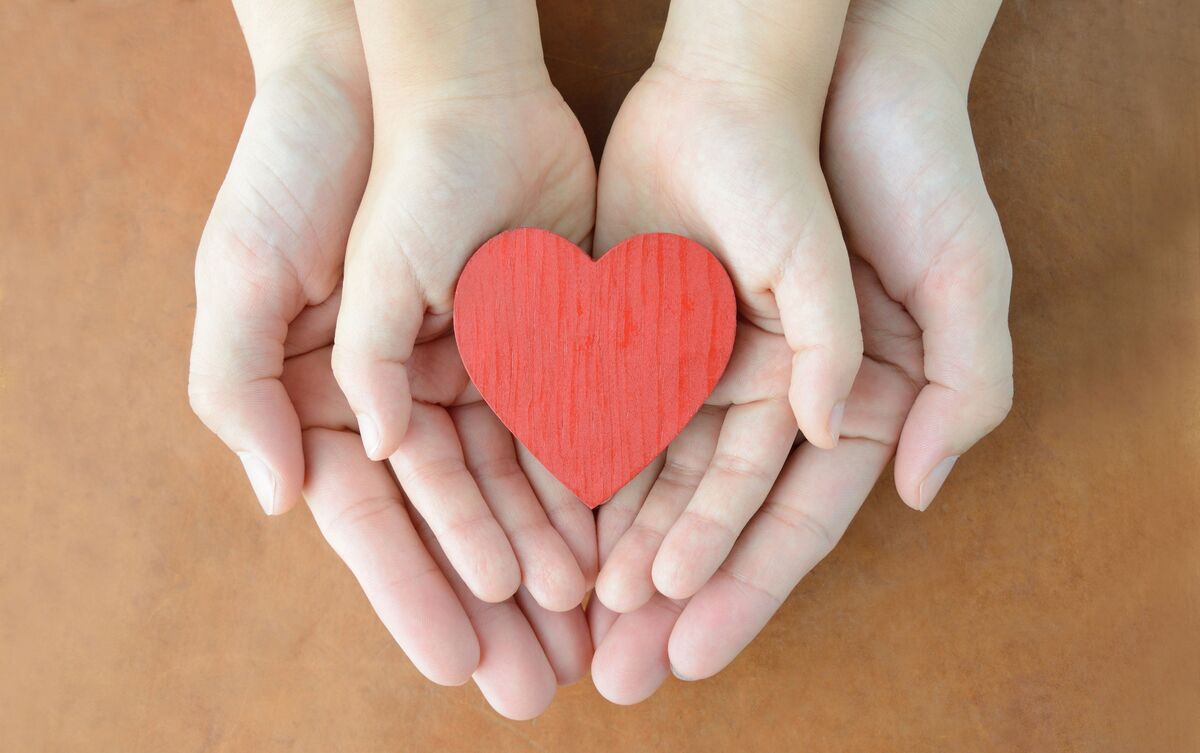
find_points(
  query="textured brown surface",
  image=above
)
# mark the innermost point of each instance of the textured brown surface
(1050, 600)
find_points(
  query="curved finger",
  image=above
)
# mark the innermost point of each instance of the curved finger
(432, 470)
(564, 636)
(806, 513)
(383, 308)
(244, 301)
(548, 569)
(625, 583)
(569, 516)
(755, 440)
(616, 516)
(359, 511)
(819, 315)
(514, 673)
(961, 305)
(600, 620)
(631, 662)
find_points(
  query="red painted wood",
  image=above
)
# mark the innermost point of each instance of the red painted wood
(594, 365)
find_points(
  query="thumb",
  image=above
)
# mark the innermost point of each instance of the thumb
(243, 305)
(961, 305)
(819, 315)
(382, 310)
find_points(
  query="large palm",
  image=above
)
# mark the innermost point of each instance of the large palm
(931, 277)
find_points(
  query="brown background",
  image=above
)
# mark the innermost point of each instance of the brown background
(1050, 601)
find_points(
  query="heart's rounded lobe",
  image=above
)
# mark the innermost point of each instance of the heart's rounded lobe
(594, 365)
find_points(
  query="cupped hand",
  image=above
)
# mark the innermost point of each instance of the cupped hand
(733, 163)
(515, 650)
(471, 139)
(931, 275)
(805, 513)
(273, 251)
(906, 181)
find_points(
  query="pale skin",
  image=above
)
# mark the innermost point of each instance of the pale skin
(388, 140)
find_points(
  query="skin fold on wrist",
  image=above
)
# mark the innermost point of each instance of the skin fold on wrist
(282, 34)
(948, 34)
(788, 44)
(416, 48)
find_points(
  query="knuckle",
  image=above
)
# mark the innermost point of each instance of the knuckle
(359, 514)
(203, 398)
(434, 471)
(813, 535)
(733, 464)
(994, 404)
(677, 472)
(496, 469)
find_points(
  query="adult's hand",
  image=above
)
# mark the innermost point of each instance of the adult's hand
(931, 275)
(515, 650)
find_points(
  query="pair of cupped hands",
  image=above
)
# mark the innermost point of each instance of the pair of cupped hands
(821, 149)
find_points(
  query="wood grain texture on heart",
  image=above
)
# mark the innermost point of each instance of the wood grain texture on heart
(594, 365)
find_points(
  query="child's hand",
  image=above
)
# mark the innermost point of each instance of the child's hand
(719, 142)
(471, 138)
(932, 289)
(515, 650)
(804, 516)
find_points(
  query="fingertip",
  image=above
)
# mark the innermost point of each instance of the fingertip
(671, 577)
(379, 395)
(559, 590)
(454, 670)
(819, 404)
(621, 590)
(495, 589)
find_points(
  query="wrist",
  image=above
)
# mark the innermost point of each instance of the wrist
(284, 35)
(946, 38)
(789, 45)
(421, 50)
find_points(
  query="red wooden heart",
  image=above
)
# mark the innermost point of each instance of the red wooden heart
(594, 365)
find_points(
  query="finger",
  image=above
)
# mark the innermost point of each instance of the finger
(631, 662)
(548, 569)
(617, 515)
(569, 516)
(961, 305)
(432, 470)
(244, 301)
(358, 509)
(600, 620)
(313, 327)
(382, 311)
(819, 316)
(514, 674)
(755, 440)
(625, 583)
(808, 510)
(564, 637)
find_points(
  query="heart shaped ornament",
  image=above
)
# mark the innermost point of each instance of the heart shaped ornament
(594, 365)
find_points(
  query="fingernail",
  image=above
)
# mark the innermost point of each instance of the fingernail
(678, 676)
(261, 479)
(933, 482)
(368, 430)
(835, 421)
